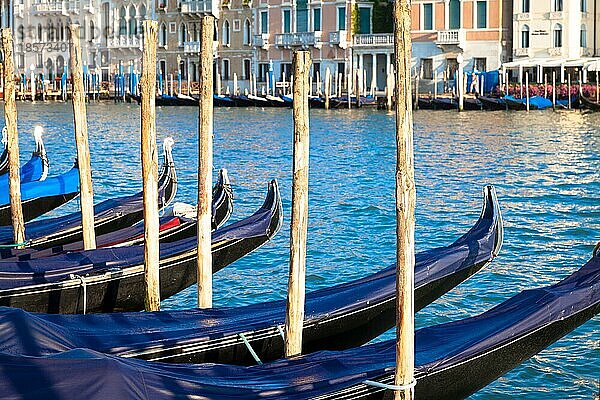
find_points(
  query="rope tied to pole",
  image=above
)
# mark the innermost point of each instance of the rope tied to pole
(250, 349)
(15, 245)
(395, 388)
(84, 286)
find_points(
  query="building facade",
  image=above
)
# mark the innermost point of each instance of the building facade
(256, 38)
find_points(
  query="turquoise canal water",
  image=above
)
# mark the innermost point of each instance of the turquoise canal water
(546, 168)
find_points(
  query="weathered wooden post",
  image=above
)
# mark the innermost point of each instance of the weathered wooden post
(554, 90)
(205, 163)
(150, 166)
(545, 86)
(327, 87)
(435, 84)
(86, 189)
(569, 91)
(405, 205)
(350, 90)
(299, 223)
(417, 78)
(10, 121)
(527, 89)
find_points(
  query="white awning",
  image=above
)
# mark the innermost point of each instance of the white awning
(591, 64)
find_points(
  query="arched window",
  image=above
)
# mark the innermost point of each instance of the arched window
(133, 31)
(182, 34)
(558, 5)
(162, 35)
(583, 6)
(525, 6)
(122, 22)
(21, 33)
(196, 36)
(142, 14)
(92, 31)
(226, 34)
(247, 32)
(39, 32)
(557, 36)
(61, 31)
(583, 36)
(525, 37)
(51, 31)
(454, 14)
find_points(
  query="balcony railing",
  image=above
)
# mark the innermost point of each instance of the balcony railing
(193, 47)
(339, 38)
(261, 40)
(452, 36)
(303, 39)
(200, 7)
(555, 51)
(556, 15)
(522, 17)
(376, 39)
(124, 42)
(521, 52)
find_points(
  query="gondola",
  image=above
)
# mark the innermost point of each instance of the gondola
(535, 103)
(452, 360)
(241, 101)
(179, 100)
(589, 104)
(445, 103)
(222, 101)
(425, 103)
(36, 169)
(471, 104)
(276, 101)
(338, 317)
(110, 215)
(258, 101)
(179, 222)
(4, 155)
(492, 103)
(316, 102)
(38, 198)
(112, 279)
(165, 100)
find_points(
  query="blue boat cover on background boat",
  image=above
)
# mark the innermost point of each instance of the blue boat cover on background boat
(131, 333)
(83, 373)
(54, 186)
(538, 102)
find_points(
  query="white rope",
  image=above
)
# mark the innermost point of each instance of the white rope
(84, 285)
(250, 349)
(280, 329)
(395, 388)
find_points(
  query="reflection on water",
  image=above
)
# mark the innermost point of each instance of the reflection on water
(545, 166)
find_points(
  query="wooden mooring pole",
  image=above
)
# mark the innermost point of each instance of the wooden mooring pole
(150, 166)
(327, 87)
(554, 90)
(86, 189)
(405, 205)
(527, 89)
(10, 121)
(299, 223)
(205, 163)
(569, 91)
